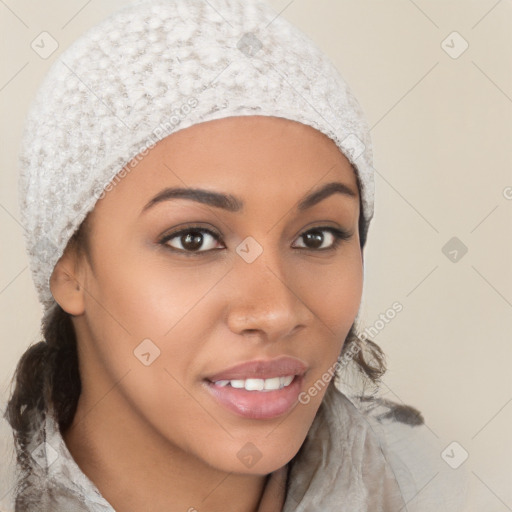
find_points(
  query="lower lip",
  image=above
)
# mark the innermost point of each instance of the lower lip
(260, 405)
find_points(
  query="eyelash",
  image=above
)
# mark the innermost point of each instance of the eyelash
(339, 236)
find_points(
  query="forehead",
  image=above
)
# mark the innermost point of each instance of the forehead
(264, 141)
(263, 159)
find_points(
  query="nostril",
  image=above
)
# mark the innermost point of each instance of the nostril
(251, 331)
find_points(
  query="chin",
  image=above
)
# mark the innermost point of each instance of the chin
(255, 456)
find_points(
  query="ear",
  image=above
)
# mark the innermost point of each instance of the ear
(66, 285)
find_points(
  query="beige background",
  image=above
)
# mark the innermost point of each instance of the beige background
(441, 128)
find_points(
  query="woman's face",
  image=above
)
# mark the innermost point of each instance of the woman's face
(251, 268)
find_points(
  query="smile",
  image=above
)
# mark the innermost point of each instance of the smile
(258, 389)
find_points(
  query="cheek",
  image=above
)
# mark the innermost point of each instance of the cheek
(149, 324)
(147, 296)
(142, 310)
(334, 297)
(333, 293)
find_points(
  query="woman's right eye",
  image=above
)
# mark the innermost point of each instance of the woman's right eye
(191, 240)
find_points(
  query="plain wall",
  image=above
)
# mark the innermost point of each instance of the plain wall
(441, 129)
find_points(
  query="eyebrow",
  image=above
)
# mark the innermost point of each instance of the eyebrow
(233, 204)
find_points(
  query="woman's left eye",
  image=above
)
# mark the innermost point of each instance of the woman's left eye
(317, 240)
(193, 240)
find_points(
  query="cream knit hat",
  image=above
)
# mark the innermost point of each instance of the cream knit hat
(151, 69)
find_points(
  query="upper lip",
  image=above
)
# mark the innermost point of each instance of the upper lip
(262, 369)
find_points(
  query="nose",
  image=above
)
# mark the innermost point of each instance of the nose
(265, 300)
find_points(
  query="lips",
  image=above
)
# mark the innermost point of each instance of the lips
(258, 403)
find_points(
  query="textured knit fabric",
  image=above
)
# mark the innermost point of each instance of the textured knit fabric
(151, 69)
(352, 460)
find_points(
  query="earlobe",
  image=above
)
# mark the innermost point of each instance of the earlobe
(66, 288)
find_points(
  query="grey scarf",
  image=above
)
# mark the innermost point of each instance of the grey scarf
(344, 465)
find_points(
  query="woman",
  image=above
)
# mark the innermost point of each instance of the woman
(197, 186)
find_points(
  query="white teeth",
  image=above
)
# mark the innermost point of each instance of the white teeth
(254, 384)
(274, 383)
(258, 384)
(286, 381)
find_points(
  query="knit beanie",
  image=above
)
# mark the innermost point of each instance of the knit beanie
(149, 70)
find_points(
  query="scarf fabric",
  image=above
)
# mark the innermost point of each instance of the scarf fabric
(350, 461)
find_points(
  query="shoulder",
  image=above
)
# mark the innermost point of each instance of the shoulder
(417, 456)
